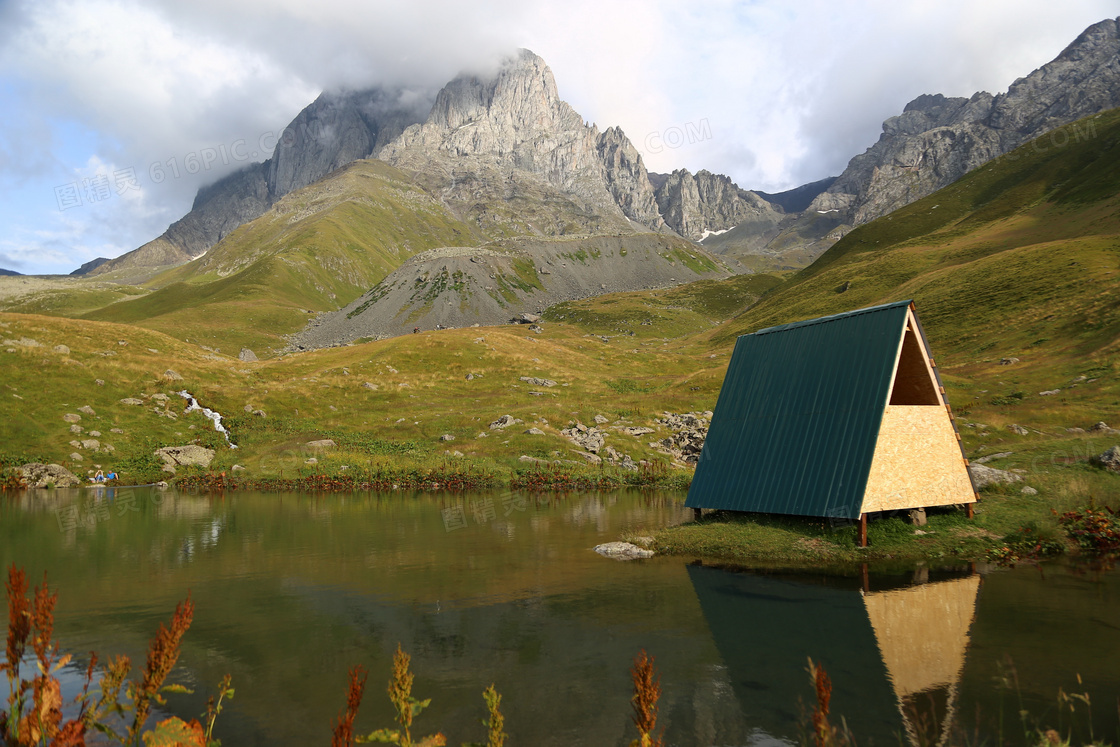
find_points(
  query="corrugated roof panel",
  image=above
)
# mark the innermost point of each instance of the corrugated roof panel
(798, 416)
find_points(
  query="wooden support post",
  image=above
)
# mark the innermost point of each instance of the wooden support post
(970, 510)
(863, 530)
(866, 578)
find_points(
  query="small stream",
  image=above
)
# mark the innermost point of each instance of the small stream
(216, 418)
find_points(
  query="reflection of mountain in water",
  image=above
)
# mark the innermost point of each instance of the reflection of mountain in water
(894, 656)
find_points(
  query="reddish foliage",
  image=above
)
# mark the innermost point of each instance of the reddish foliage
(647, 691)
(822, 730)
(344, 729)
(162, 655)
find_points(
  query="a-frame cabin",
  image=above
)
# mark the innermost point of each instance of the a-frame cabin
(835, 417)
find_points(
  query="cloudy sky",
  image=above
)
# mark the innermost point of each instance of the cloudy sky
(113, 113)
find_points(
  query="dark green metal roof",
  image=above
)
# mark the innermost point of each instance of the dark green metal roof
(795, 426)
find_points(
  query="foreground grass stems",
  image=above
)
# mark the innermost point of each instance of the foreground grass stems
(38, 721)
(647, 691)
(824, 733)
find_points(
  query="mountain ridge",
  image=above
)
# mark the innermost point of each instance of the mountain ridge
(514, 119)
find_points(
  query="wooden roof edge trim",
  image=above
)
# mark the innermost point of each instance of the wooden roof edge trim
(940, 386)
(927, 356)
(831, 318)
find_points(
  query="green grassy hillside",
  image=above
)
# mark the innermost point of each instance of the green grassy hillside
(316, 250)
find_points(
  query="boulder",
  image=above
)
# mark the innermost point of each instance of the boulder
(1018, 430)
(170, 375)
(92, 444)
(535, 432)
(190, 455)
(622, 551)
(1008, 361)
(1102, 427)
(325, 443)
(87, 410)
(600, 420)
(132, 401)
(446, 437)
(534, 381)
(635, 431)
(62, 350)
(39, 475)
(72, 417)
(1109, 460)
(247, 355)
(983, 476)
(504, 422)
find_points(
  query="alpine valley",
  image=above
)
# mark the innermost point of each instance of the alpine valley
(481, 282)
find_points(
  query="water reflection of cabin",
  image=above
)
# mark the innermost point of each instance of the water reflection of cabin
(835, 417)
(894, 649)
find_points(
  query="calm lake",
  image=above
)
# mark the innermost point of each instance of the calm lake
(291, 590)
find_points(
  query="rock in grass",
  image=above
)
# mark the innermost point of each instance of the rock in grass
(39, 475)
(186, 456)
(622, 551)
(983, 476)
(504, 422)
(1028, 490)
(170, 375)
(447, 437)
(247, 355)
(325, 443)
(1018, 430)
(534, 432)
(132, 401)
(87, 410)
(534, 381)
(72, 417)
(1110, 460)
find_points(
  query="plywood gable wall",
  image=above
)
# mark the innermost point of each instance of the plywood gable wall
(917, 461)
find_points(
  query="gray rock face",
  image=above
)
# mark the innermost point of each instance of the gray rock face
(936, 140)
(39, 475)
(516, 120)
(695, 204)
(337, 129)
(247, 355)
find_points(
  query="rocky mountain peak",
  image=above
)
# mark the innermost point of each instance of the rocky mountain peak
(522, 92)
(514, 119)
